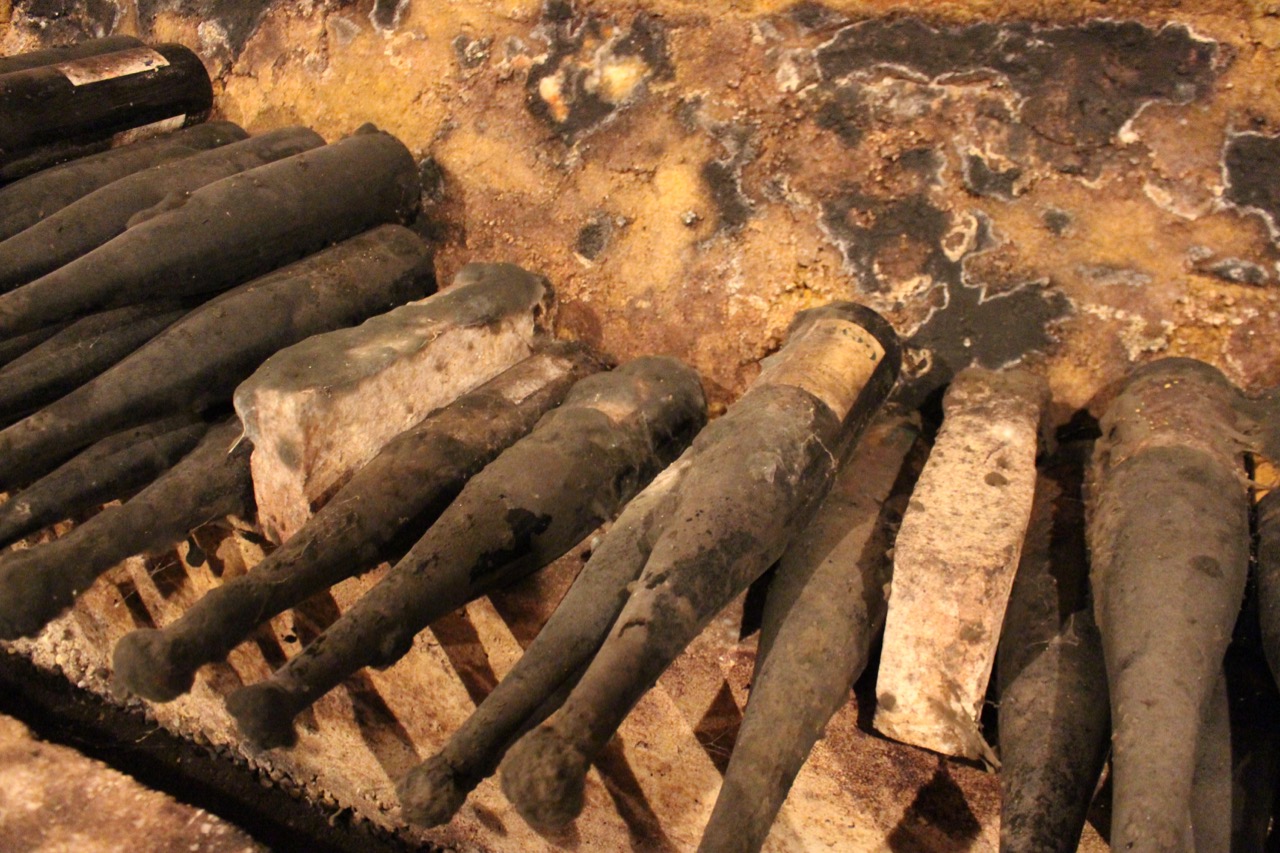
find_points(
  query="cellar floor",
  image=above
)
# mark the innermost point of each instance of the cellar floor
(53, 798)
(652, 791)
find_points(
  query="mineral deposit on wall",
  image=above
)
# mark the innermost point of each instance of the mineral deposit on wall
(1078, 186)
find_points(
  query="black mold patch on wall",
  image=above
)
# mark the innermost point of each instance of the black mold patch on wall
(732, 207)
(843, 112)
(991, 331)
(238, 19)
(810, 16)
(885, 242)
(1237, 271)
(722, 176)
(386, 14)
(1018, 102)
(566, 90)
(647, 40)
(67, 21)
(983, 179)
(471, 53)
(1057, 221)
(1080, 84)
(922, 161)
(593, 237)
(1252, 164)
(440, 219)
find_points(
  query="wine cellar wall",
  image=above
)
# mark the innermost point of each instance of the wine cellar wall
(1056, 195)
(734, 164)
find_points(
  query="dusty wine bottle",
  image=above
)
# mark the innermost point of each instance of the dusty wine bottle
(109, 470)
(1268, 513)
(196, 363)
(954, 560)
(105, 213)
(13, 347)
(25, 202)
(78, 353)
(55, 55)
(1055, 727)
(31, 162)
(210, 482)
(319, 410)
(229, 231)
(537, 685)
(92, 97)
(1169, 541)
(825, 606)
(751, 482)
(538, 499)
(383, 509)
(1213, 812)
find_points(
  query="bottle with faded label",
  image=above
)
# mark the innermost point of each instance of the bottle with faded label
(50, 113)
(53, 55)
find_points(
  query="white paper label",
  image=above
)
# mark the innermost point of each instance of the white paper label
(108, 66)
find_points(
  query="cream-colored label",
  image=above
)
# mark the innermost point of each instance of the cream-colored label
(146, 131)
(833, 360)
(109, 66)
